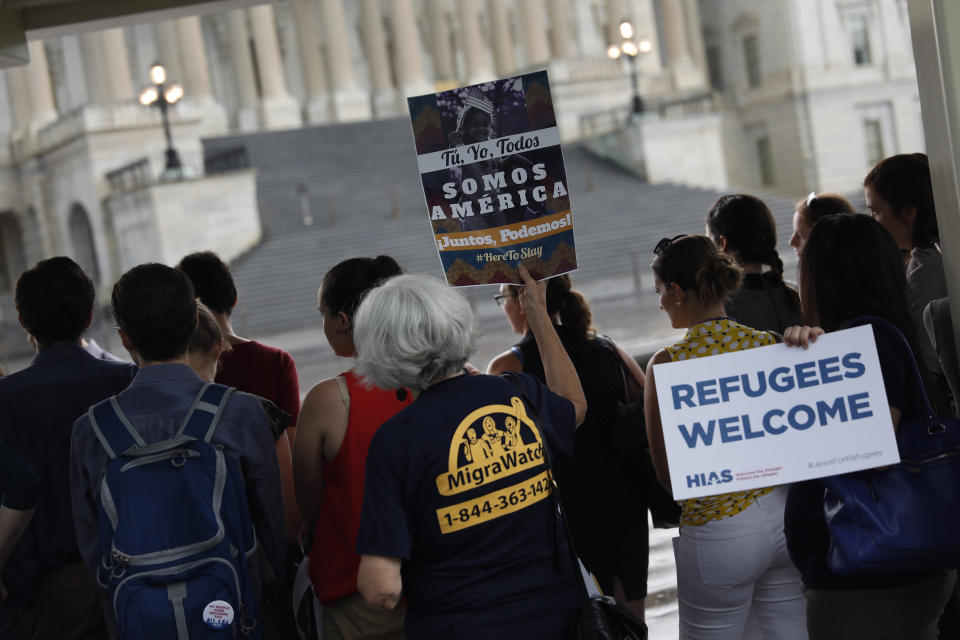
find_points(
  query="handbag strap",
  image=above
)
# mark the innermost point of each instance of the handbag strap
(917, 377)
(548, 458)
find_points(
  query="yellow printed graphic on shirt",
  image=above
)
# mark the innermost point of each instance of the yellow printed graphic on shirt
(492, 443)
(493, 505)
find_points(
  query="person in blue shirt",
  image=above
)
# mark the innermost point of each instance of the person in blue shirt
(474, 542)
(49, 592)
(156, 312)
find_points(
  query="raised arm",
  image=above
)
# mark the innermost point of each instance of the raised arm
(651, 410)
(558, 370)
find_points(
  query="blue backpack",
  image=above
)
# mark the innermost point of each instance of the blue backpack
(175, 528)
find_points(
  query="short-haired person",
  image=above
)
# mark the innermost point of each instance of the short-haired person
(731, 556)
(809, 211)
(49, 592)
(474, 546)
(156, 313)
(251, 366)
(899, 195)
(851, 268)
(337, 422)
(742, 226)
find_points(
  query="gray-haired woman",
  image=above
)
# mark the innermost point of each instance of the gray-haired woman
(458, 515)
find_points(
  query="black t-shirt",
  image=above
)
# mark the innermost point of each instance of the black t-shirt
(458, 488)
(805, 526)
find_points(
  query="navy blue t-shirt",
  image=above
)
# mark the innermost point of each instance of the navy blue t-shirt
(458, 488)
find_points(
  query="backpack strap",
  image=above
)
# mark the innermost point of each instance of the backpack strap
(112, 427)
(204, 416)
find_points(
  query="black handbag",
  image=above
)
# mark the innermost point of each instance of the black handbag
(600, 617)
(628, 441)
(903, 517)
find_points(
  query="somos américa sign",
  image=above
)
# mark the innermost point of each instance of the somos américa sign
(775, 415)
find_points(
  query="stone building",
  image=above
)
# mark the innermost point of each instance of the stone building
(814, 92)
(777, 95)
(70, 118)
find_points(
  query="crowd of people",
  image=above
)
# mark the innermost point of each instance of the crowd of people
(419, 493)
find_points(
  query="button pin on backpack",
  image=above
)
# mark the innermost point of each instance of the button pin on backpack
(218, 614)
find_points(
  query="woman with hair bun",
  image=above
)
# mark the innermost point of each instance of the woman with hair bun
(605, 504)
(810, 210)
(337, 421)
(743, 227)
(731, 555)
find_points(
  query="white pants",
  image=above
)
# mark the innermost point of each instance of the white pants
(730, 568)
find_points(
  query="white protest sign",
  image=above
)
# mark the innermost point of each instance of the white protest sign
(774, 415)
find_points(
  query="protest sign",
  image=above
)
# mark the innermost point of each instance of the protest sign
(774, 415)
(494, 182)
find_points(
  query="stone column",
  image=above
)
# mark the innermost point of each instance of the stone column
(478, 62)
(375, 47)
(534, 35)
(318, 98)
(116, 65)
(350, 102)
(503, 54)
(196, 76)
(616, 13)
(168, 49)
(695, 33)
(19, 95)
(247, 112)
(406, 51)
(561, 39)
(443, 61)
(74, 75)
(42, 106)
(94, 66)
(278, 109)
(679, 56)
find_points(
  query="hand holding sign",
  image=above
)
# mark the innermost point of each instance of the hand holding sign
(533, 295)
(773, 415)
(801, 336)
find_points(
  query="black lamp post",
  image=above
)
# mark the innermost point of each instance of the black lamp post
(631, 50)
(163, 96)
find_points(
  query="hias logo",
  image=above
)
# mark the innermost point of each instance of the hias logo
(707, 479)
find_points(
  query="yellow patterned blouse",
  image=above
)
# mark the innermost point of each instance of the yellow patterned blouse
(720, 335)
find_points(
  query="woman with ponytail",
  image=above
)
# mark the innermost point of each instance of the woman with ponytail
(337, 421)
(743, 227)
(605, 504)
(731, 555)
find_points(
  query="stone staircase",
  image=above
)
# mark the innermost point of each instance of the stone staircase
(334, 192)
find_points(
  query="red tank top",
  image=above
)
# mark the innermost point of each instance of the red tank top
(333, 559)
